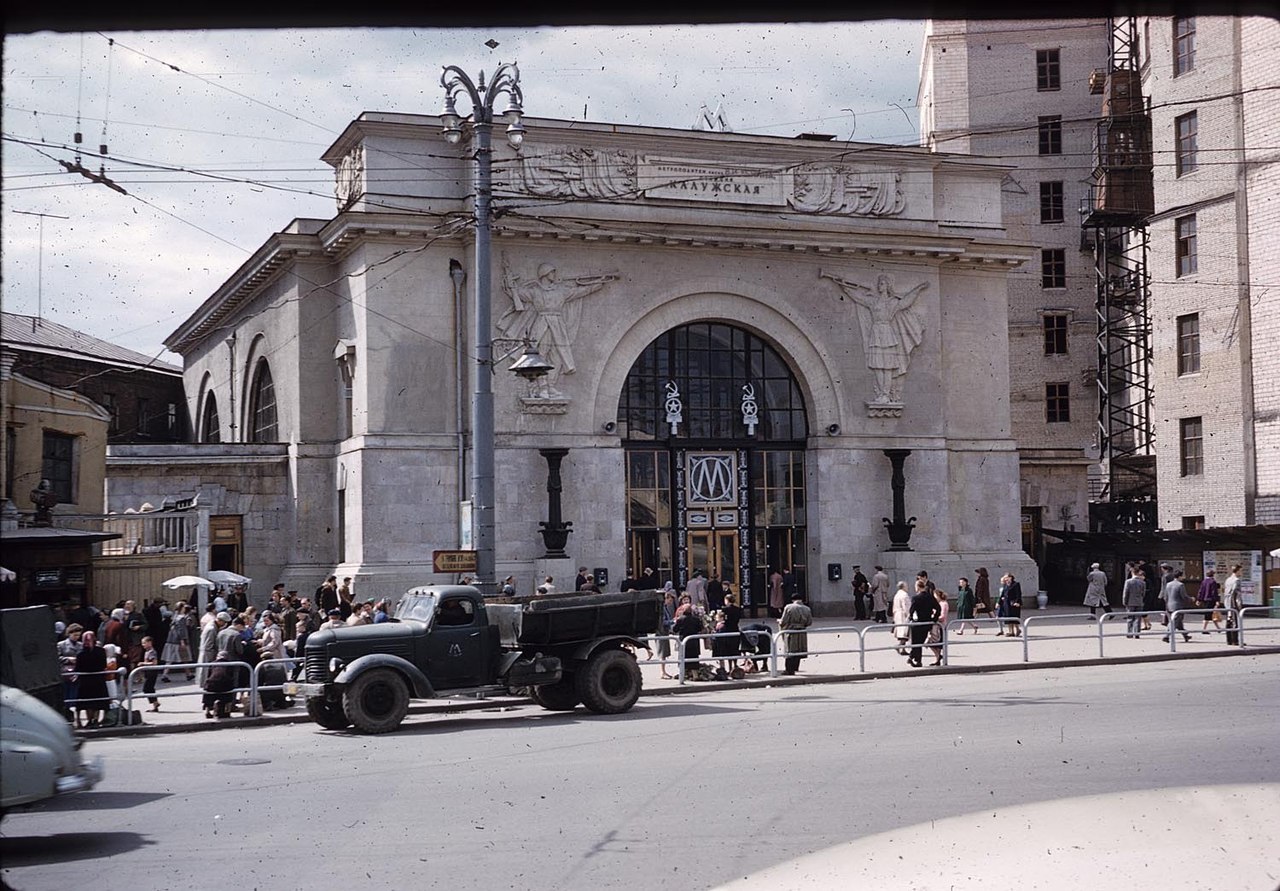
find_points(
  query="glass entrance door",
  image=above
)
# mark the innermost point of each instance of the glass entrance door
(715, 550)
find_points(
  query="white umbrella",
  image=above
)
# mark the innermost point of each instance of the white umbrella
(1276, 553)
(187, 581)
(227, 577)
(7, 575)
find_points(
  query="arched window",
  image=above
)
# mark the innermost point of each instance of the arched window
(209, 429)
(262, 406)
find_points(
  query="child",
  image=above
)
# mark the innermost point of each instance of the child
(149, 659)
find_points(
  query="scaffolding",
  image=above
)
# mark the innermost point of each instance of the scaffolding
(1115, 220)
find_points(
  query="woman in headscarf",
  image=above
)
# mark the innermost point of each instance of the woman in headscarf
(177, 647)
(982, 594)
(688, 622)
(91, 678)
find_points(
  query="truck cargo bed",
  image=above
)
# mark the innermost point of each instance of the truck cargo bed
(566, 618)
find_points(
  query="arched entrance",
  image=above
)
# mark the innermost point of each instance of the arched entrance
(714, 425)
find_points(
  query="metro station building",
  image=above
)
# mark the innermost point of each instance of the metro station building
(743, 330)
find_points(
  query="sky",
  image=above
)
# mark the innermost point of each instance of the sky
(216, 135)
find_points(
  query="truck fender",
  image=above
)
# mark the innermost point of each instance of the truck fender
(422, 688)
(585, 651)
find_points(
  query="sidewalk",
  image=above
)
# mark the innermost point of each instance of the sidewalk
(1059, 636)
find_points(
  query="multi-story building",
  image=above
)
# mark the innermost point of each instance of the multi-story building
(1211, 84)
(1018, 92)
(1214, 88)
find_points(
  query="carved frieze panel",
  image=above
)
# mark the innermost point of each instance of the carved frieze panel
(577, 172)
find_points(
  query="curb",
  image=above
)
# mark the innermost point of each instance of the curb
(431, 707)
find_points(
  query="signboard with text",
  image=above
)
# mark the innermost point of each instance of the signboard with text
(1250, 572)
(692, 181)
(454, 561)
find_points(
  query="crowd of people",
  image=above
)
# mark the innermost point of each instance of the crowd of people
(1163, 592)
(96, 646)
(214, 648)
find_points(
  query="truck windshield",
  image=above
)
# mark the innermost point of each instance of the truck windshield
(418, 607)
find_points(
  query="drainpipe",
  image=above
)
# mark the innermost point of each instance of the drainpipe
(459, 276)
(231, 376)
(1244, 296)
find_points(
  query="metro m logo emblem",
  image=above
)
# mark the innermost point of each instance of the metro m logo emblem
(712, 479)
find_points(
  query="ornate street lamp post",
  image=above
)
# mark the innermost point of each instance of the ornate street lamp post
(456, 83)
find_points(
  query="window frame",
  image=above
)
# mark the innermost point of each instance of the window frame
(1184, 44)
(1185, 138)
(1048, 70)
(1057, 334)
(1057, 402)
(1049, 132)
(64, 485)
(1053, 268)
(1052, 201)
(263, 419)
(1191, 446)
(210, 423)
(1186, 248)
(1188, 347)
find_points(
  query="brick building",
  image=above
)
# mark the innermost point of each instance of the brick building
(1019, 91)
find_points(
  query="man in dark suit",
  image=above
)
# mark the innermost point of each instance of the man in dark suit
(860, 587)
(924, 608)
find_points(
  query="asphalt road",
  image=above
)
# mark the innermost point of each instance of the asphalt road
(696, 791)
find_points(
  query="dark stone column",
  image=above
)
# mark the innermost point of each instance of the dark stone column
(555, 532)
(900, 527)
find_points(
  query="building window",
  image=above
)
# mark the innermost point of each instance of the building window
(59, 465)
(1053, 268)
(1055, 334)
(1191, 446)
(1184, 44)
(1051, 203)
(210, 431)
(1146, 43)
(1193, 522)
(1186, 246)
(1189, 343)
(1051, 134)
(1048, 70)
(171, 419)
(1057, 403)
(144, 417)
(1185, 126)
(262, 406)
(11, 446)
(113, 409)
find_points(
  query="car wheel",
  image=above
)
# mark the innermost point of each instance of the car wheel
(562, 696)
(610, 683)
(328, 715)
(376, 701)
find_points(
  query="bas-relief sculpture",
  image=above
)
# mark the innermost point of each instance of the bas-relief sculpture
(572, 172)
(545, 311)
(891, 330)
(839, 190)
(349, 180)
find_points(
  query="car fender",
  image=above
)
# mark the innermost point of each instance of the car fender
(585, 651)
(422, 688)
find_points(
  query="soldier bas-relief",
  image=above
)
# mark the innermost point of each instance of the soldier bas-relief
(545, 311)
(891, 330)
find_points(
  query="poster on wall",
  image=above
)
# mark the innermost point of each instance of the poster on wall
(1250, 572)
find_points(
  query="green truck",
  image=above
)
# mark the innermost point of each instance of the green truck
(447, 640)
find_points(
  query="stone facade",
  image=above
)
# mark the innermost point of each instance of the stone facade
(877, 277)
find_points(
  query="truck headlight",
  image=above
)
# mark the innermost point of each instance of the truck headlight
(335, 666)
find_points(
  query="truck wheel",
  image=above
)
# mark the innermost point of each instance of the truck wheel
(377, 701)
(328, 715)
(610, 683)
(562, 696)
